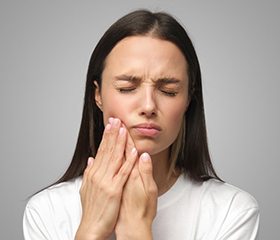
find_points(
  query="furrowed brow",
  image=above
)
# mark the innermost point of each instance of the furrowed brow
(128, 78)
(168, 80)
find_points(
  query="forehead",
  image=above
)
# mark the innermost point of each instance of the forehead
(146, 55)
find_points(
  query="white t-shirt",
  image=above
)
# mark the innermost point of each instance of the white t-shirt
(191, 211)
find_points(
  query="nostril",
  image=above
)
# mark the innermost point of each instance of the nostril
(148, 113)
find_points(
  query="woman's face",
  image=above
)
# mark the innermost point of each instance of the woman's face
(145, 85)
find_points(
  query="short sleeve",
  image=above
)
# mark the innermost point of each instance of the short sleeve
(243, 226)
(33, 226)
(54, 213)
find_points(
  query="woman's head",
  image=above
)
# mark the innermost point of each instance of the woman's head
(163, 64)
(145, 84)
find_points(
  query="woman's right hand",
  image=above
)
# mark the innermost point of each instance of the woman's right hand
(103, 182)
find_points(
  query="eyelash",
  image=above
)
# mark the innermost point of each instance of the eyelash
(129, 90)
(170, 94)
(126, 90)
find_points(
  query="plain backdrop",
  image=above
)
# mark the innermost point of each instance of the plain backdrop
(44, 54)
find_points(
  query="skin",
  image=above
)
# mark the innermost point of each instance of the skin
(144, 81)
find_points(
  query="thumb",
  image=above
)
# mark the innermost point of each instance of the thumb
(145, 164)
(146, 172)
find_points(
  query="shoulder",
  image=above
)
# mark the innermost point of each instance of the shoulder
(211, 210)
(224, 194)
(53, 213)
(233, 212)
(214, 193)
(65, 193)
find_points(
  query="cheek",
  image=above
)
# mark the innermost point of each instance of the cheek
(175, 117)
(115, 107)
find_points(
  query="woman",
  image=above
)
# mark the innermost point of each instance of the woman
(141, 168)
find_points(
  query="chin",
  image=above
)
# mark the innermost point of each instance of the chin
(148, 148)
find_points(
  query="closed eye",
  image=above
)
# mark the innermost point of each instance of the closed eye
(169, 93)
(125, 90)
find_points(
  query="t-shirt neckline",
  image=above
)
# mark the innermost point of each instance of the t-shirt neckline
(173, 193)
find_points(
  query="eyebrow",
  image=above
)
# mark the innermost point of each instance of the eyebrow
(128, 78)
(167, 80)
(135, 79)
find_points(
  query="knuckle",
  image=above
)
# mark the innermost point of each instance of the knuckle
(86, 172)
(123, 172)
(107, 150)
(153, 190)
(103, 186)
(109, 134)
(94, 180)
(117, 159)
(100, 150)
(147, 170)
(112, 192)
(82, 189)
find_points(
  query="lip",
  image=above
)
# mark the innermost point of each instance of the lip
(147, 129)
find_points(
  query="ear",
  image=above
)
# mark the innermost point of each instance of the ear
(97, 95)
(188, 103)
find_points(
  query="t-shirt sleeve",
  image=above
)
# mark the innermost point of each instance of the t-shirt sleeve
(39, 220)
(243, 226)
(54, 213)
(34, 227)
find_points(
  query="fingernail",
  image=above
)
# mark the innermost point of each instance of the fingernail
(121, 131)
(110, 120)
(145, 157)
(134, 151)
(115, 122)
(89, 162)
(108, 127)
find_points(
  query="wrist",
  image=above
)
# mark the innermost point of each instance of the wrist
(85, 235)
(137, 232)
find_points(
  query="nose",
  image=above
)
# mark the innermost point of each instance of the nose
(148, 103)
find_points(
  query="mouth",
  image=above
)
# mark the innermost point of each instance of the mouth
(148, 129)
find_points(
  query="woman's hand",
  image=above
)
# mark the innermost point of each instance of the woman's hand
(103, 182)
(139, 200)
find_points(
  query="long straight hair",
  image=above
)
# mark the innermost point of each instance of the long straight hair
(193, 155)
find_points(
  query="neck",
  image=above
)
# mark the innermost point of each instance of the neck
(161, 167)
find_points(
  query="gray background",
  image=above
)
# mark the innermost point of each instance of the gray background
(45, 48)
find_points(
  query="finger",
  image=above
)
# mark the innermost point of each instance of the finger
(86, 171)
(106, 150)
(90, 162)
(146, 173)
(111, 137)
(129, 145)
(118, 154)
(102, 145)
(126, 168)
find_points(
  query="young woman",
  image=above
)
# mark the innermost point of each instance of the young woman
(141, 168)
